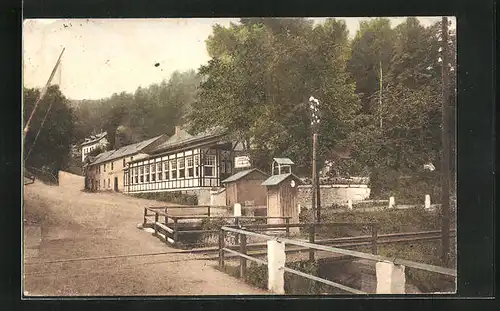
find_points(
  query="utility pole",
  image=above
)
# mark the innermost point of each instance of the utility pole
(315, 198)
(445, 161)
(380, 93)
(315, 189)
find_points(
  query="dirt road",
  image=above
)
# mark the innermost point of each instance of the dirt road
(63, 223)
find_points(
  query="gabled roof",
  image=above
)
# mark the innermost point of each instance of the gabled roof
(184, 137)
(277, 179)
(241, 174)
(94, 138)
(283, 161)
(124, 151)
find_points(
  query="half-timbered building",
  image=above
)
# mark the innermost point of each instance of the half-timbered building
(193, 164)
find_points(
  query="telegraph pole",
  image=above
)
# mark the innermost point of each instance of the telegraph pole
(315, 189)
(445, 161)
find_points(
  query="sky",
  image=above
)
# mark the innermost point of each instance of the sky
(106, 56)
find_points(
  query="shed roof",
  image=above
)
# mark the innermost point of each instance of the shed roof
(277, 179)
(242, 174)
(124, 151)
(285, 161)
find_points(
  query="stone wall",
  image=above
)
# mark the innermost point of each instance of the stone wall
(218, 197)
(202, 194)
(331, 194)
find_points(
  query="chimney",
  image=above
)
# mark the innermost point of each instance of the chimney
(177, 130)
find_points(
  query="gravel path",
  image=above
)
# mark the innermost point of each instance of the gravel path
(64, 223)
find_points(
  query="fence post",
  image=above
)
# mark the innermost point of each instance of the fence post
(156, 220)
(237, 209)
(311, 240)
(237, 235)
(287, 223)
(221, 246)
(176, 234)
(374, 239)
(276, 259)
(427, 202)
(391, 202)
(243, 261)
(390, 278)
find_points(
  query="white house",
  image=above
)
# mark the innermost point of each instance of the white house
(93, 142)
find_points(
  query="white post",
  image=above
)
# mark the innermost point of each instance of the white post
(427, 203)
(275, 261)
(349, 204)
(391, 202)
(390, 278)
(237, 210)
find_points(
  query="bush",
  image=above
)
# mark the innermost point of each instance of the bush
(176, 197)
(389, 220)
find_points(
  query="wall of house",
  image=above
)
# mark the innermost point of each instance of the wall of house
(273, 204)
(251, 190)
(289, 202)
(231, 194)
(111, 174)
(88, 148)
(333, 194)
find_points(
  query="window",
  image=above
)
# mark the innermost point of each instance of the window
(109, 184)
(159, 169)
(173, 169)
(131, 159)
(153, 177)
(182, 172)
(153, 168)
(189, 166)
(142, 174)
(112, 165)
(209, 166)
(104, 167)
(123, 162)
(197, 165)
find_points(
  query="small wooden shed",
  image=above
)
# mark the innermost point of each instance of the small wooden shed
(246, 186)
(282, 197)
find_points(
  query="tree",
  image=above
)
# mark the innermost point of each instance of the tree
(260, 77)
(372, 51)
(403, 131)
(51, 149)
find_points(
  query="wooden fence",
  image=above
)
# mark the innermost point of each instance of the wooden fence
(390, 271)
(172, 228)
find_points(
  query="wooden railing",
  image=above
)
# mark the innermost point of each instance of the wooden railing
(387, 283)
(169, 227)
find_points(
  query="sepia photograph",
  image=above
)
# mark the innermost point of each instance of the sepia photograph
(239, 156)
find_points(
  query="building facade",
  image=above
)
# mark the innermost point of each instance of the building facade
(106, 171)
(92, 143)
(246, 186)
(194, 164)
